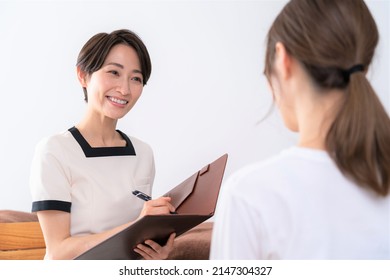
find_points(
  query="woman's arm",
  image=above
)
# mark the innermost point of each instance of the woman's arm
(61, 245)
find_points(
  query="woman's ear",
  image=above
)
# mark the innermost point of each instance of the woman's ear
(82, 76)
(283, 61)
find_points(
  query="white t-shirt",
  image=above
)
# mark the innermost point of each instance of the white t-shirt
(298, 205)
(93, 184)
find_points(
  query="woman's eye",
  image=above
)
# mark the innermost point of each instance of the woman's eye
(137, 79)
(114, 72)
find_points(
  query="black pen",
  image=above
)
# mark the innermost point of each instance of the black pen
(145, 197)
(142, 195)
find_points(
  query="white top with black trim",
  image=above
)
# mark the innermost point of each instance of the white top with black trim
(93, 184)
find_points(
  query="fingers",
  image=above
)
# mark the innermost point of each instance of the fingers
(162, 202)
(153, 251)
(159, 206)
(146, 252)
(171, 240)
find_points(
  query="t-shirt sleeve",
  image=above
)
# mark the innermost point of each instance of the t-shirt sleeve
(50, 178)
(238, 231)
(227, 241)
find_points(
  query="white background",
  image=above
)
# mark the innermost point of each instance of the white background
(205, 97)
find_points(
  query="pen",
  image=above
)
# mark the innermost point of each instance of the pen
(145, 197)
(142, 195)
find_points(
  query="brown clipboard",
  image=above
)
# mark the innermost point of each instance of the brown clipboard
(195, 200)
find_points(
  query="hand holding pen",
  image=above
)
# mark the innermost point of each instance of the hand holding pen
(157, 206)
(151, 250)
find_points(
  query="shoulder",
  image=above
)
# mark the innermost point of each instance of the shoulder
(140, 145)
(273, 176)
(54, 143)
(289, 162)
(264, 170)
(141, 148)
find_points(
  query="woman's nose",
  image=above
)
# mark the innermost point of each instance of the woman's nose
(124, 88)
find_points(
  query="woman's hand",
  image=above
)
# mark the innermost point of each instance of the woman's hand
(159, 206)
(153, 251)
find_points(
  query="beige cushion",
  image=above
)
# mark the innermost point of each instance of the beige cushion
(194, 244)
(12, 216)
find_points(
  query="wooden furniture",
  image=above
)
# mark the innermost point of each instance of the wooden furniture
(21, 241)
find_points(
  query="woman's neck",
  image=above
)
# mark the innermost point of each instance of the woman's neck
(100, 132)
(316, 113)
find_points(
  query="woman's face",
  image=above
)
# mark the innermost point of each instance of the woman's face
(116, 86)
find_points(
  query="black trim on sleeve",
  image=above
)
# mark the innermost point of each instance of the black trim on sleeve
(51, 205)
(89, 151)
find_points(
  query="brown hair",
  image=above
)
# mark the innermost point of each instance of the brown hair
(94, 52)
(328, 37)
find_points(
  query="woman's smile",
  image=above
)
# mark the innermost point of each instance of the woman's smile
(117, 101)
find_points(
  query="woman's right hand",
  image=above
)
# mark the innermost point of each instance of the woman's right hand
(158, 206)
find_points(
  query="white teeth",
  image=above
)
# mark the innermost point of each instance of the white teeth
(119, 101)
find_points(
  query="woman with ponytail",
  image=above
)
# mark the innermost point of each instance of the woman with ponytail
(328, 197)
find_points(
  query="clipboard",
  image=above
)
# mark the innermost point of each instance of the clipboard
(195, 200)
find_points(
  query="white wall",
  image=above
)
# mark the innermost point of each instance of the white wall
(205, 96)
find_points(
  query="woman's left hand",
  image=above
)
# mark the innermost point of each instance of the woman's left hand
(154, 251)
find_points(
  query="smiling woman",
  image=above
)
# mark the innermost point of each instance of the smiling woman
(82, 179)
(115, 88)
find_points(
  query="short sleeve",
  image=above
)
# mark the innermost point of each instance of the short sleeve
(236, 229)
(50, 178)
(253, 218)
(240, 228)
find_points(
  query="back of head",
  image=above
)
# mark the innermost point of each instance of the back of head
(335, 41)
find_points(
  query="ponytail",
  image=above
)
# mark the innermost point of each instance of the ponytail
(328, 37)
(359, 139)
